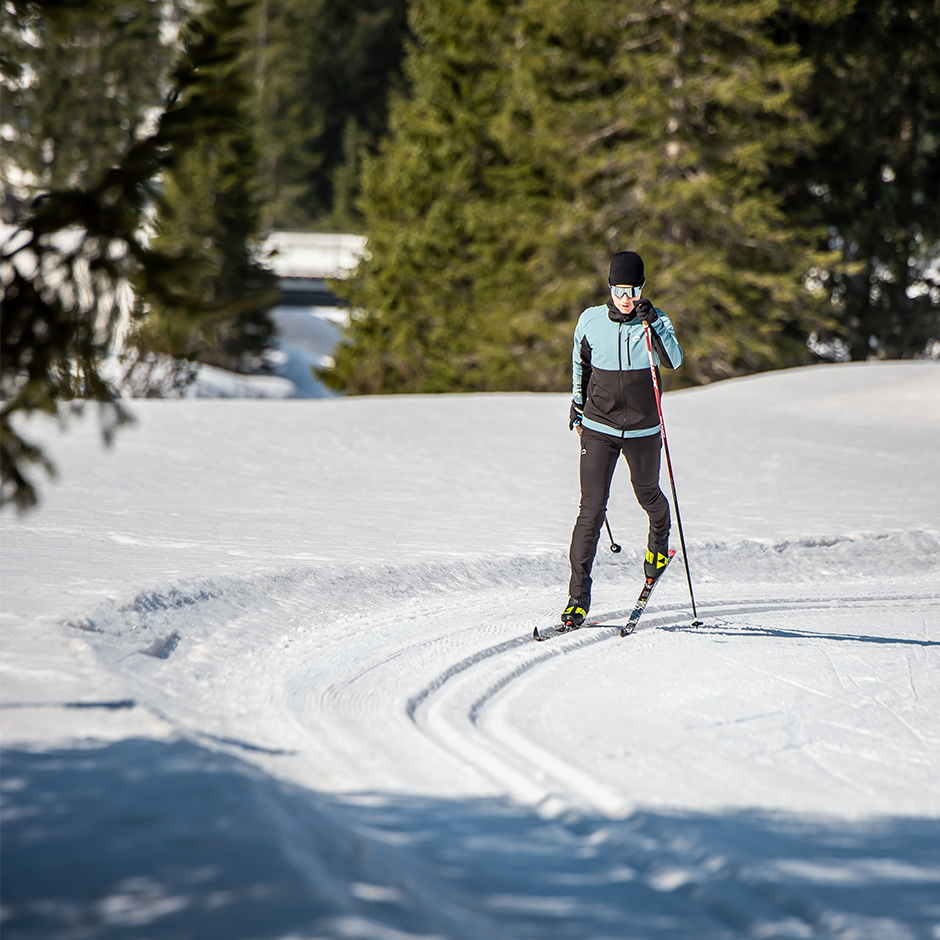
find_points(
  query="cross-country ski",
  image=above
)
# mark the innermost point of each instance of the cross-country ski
(644, 597)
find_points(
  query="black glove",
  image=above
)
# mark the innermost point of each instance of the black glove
(575, 414)
(645, 310)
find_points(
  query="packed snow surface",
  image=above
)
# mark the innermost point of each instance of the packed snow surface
(268, 672)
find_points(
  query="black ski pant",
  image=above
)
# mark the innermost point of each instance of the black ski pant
(599, 453)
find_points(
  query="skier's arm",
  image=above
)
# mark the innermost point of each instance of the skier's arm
(580, 367)
(576, 369)
(662, 334)
(665, 342)
(580, 377)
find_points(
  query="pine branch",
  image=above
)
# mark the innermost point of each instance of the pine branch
(76, 251)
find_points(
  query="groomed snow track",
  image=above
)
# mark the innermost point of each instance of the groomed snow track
(455, 708)
(444, 644)
(437, 687)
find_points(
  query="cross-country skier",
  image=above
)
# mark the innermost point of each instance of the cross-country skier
(614, 411)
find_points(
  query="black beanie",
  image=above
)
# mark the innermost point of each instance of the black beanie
(626, 267)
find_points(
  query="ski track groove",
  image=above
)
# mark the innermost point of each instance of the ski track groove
(910, 672)
(542, 769)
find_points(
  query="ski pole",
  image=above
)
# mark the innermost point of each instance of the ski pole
(672, 481)
(614, 547)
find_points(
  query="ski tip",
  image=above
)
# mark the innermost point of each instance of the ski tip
(535, 634)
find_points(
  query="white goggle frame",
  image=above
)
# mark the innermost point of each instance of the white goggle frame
(631, 292)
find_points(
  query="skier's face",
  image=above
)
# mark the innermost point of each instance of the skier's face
(626, 303)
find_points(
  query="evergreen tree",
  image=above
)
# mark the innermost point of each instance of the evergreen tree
(540, 137)
(874, 181)
(668, 122)
(437, 224)
(324, 70)
(210, 203)
(289, 111)
(68, 269)
(80, 81)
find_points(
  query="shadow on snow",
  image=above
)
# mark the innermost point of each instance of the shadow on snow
(748, 630)
(171, 840)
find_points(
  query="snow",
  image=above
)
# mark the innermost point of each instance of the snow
(211, 382)
(299, 633)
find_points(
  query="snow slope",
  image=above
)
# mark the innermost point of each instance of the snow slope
(293, 638)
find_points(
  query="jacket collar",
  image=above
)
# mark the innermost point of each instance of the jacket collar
(614, 314)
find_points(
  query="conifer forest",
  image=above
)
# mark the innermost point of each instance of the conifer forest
(775, 162)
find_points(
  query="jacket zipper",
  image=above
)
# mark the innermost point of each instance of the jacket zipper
(623, 397)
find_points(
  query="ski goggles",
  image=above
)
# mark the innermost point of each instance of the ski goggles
(631, 292)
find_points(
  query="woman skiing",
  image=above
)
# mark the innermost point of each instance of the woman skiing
(614, 411)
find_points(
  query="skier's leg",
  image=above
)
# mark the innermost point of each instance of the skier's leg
(643, 456)
(598, 459)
